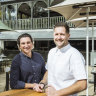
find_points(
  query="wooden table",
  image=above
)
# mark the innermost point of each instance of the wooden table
(21, 92)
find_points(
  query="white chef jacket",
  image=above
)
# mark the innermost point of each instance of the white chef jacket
(65, 66)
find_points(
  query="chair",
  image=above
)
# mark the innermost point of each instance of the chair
(94, 73)
(7, 70)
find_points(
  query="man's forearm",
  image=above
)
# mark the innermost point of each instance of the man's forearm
(75, 88)
(45, 78)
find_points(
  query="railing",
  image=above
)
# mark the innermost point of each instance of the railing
(35, 23)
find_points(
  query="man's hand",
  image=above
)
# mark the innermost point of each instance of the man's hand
(38, 87)
(51, 91)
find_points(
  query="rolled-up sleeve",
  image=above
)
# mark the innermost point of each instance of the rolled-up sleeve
(78, 66)
(15, 82)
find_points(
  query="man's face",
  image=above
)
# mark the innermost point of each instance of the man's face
(61, 37)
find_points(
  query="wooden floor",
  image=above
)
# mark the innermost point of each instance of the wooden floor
(83, 93)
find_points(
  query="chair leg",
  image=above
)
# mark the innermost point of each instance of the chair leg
(7, 81)
(94, 82)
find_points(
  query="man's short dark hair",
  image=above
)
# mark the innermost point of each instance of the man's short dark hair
(62, 24)
(24, 35)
